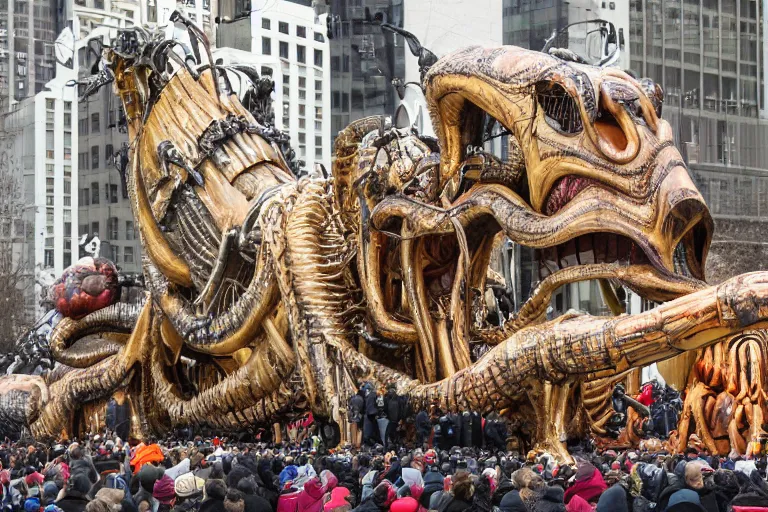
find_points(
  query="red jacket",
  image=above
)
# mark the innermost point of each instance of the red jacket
(310, 498)
(406, 504)
(589, 489)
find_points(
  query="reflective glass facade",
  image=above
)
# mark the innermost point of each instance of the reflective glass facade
(364, 59)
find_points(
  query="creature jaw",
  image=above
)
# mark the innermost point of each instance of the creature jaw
(593, 181)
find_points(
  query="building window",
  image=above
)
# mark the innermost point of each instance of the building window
(98, 4)
(49, 185)
(48, 258)
(283, 50)
(301, 31)
(95, 128)
(318, 152)
(67, 171)
(302, 81)
(302, 110)
(49, 169)
(319, 58)
(82, 161)
(115, 253)
(318, 85)
(67, 201)
(94, 157)
(301, 54)
(302, 123)
(48, 200)
(318, 112)
(67, 187)
(302, 138)
(94, 193)
(67, 106)
(129, 235)
(84, 197)
(128, 255)
(49, 104)
(67, 258)
(82, 126)
(95, 228)
(266, 23)
(283, 27)
(112, 228)
(109, 151)
(302, 94)
(266, 46)
(113, 193)
(49, 144)
(319, 37)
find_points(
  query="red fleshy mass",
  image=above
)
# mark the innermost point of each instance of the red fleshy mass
(87, 286)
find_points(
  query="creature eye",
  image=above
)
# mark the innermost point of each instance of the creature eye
(562, 111)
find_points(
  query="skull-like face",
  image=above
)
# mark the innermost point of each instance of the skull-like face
(603, 180)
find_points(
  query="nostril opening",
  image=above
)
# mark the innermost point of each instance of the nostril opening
(609, 130)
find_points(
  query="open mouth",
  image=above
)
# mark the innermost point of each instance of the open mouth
(585, 230)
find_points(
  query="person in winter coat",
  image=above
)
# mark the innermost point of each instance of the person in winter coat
(76, 496)
(589, 483)
(692, 480)
(423, 428)
(215, 492)
(392, 410)
(511, 502)
(370, 426)
(163, 491)
(355, 410)
(148, 475)
(380, 499)
(462, 491)
(530, 485)
(684, 500)
(551, 500)
(339, 501)
(612, 500)
(481, 499)
(433, 482)
(311, 497)
(189, 492)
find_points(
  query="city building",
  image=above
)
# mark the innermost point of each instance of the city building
(27, 32)
(287, 41)
(709, 57)
(40, 129)
(102, 196)
(364, 59)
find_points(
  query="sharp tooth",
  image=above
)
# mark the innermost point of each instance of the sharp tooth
(459, 328)
(413, 281)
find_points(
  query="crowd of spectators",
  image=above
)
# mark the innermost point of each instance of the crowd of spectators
(106, 474)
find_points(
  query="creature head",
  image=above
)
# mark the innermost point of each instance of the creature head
(599, 165)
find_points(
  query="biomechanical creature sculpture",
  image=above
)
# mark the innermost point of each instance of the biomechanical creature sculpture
(287, 294)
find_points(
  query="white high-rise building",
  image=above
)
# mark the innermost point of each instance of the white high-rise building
(288, 42)
(42, 131)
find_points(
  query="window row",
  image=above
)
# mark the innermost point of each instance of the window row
(301, 51)
(113, 224)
